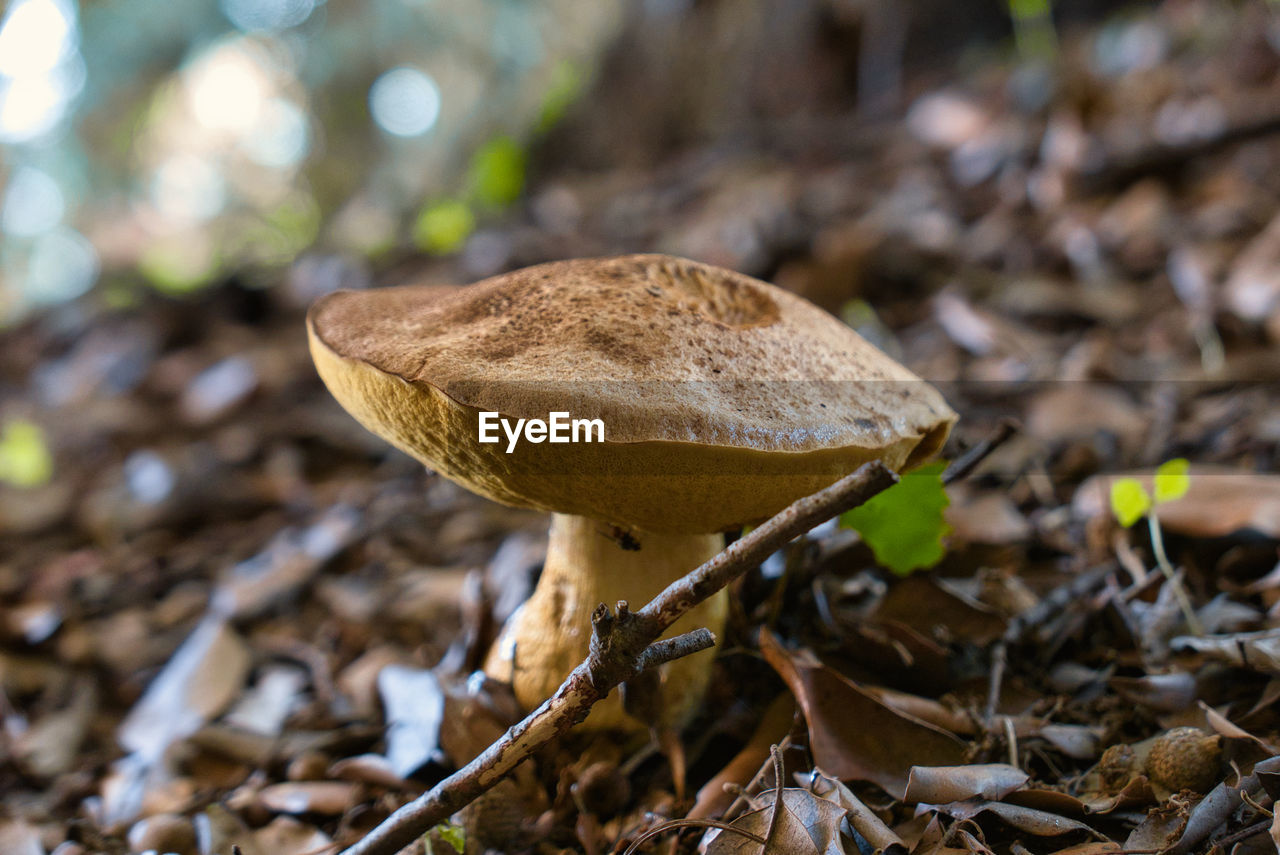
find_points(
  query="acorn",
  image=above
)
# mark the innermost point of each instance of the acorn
(1185, 758)
(1116, 766)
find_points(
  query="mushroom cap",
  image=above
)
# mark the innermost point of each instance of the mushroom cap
(723, 398)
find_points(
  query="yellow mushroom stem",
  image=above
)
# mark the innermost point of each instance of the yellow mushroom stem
(589, 563)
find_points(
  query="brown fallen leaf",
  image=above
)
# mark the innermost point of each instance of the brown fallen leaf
(414, 704)
(932, 609)
(1030, 820)
(1083, 410)
(943, 784)
(1253, 287)
(284, 835)
(1161, 692)
(989, 517)
(19, 838)
(330, 798)
(1257, 651)
(1077, 741)
(717, 794)
(861, 818)
(804, 824)
(854, 735)
(1219, 502)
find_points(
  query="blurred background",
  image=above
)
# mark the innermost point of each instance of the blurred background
(171, 148)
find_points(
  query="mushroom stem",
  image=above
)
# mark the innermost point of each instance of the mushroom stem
(588, 563)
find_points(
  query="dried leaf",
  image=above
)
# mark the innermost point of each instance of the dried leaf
(988, 517)
(1258, 651)
(1083, 410)
(1172, 692)
(200, 680)
(1032, 821)
(853, 735)
(264, 708)
(330, 798)
(863, 821)
(285, 835)
(942, 784)
(290, 561)
(1077, 741)
(19, 838)
(1253, 286)
(414, 704)
(805, 824)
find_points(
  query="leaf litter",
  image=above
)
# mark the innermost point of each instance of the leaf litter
(232, 618)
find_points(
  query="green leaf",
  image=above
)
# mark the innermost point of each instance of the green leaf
(495, 176)
(444, 226)
(565, 87)
(904, 525)
(1172, 480)
(454, 835)
(1129, 500)
(25, 460)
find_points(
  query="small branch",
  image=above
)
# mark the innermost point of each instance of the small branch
(669, 649)
(621, 646)
(1120, 170)
(967, 462)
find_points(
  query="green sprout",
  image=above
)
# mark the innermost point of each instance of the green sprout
(454, 835)
(443, 226)
(904, 525)
(25, 460)
(1033, 30)
(495, 176)
(1130, 502)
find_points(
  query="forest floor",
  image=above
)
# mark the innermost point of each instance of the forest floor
(233, 617)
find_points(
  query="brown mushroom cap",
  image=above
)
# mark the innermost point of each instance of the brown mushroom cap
(707, 381)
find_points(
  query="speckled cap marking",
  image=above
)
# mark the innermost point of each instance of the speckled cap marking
(706, 380)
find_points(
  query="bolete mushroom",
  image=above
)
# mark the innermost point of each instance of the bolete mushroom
(722, 400)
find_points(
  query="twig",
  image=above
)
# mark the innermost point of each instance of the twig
(619, 645)
(965, 463)
(1120, 170)
(999, 659)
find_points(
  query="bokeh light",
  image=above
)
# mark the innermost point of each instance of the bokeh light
(62, 266)
(226, 88)
(253, 16)
(188, 188)
(405, 102)
(282, 140)
(33, 203)
(41, 71)
(35, 36)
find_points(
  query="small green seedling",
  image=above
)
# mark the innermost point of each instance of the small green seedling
(454, 835)
(904, 525)
(25, 460)
(443, 226)
(1130, 502)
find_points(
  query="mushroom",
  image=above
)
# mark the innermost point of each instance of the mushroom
(722, 400)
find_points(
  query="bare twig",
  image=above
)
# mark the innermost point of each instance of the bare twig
(1122, 169)
(965, 463)
(620, 645)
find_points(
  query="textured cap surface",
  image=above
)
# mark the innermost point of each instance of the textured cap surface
(706, 381)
